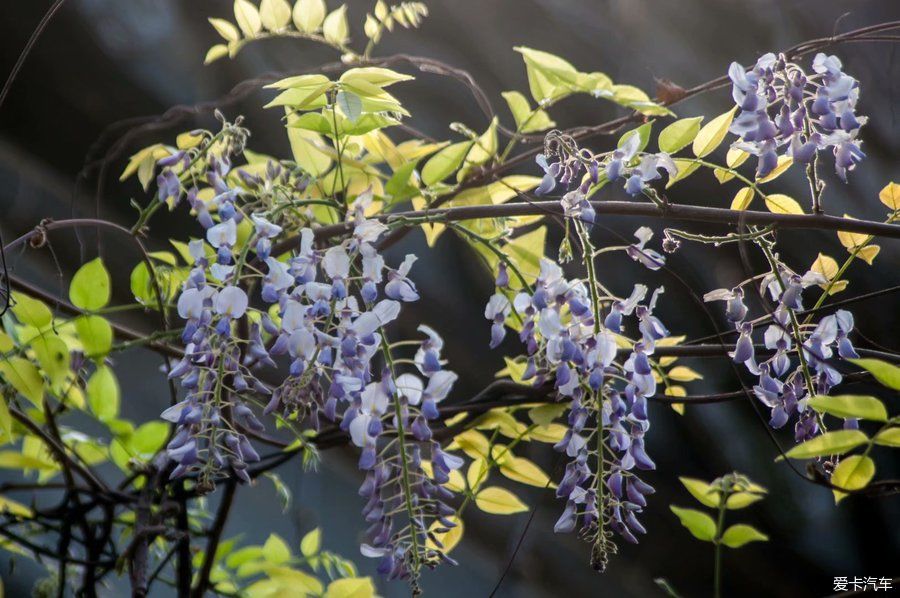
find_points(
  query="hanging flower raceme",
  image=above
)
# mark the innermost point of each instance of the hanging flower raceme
(325, 312)
(567, 346)
(785, 383)
(786, 111)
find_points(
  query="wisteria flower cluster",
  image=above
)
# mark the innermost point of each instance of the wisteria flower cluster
(564, 163)
(784, 109)
(326, 316)
(567, 346)
(785, 384)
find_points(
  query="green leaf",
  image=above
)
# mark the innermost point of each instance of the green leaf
(148, 438)
(335, 27)
(247, 17)
(685, 167)
(215, 52)
(528, 120)
(852, 473)
(698, 523)
(702, 491)
(643, 132)
(351, 587)
(740, 500)
(274, 14)
(5, 420)
(740, 534)
(350, 104)
(742, 198)
(96, 335)
(103, 393)
(52, 354)
(850, 406)
(544, 415)
(679, 134)
(525, 471)
(886, 373)
(309, 14)
(837, 442)
(779, 203)
(445, 162)
(90, 286)
(712, 134)
(276, 550)
(889, 437)
(31, 311)
(311, 543)
(24, 377)
(228, 31)
(499, 501)
(14, 460)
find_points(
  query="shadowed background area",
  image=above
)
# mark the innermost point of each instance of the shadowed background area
(101, 84)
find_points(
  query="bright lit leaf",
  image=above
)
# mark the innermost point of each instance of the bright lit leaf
(778, 203)
(850, 406)
(852, 473)
(697, 522)
(740, 534)
(679, 134)
(499, 501)
(712, 134)
(886, 373)
(90, 288)
(836, 442)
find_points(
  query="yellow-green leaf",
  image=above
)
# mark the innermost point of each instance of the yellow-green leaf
(95, 334)
(742, 198)
(698, 523)
(528, 120)
(679, 134)
(52, 354)
(351, 587)
(702, 491)
(836, 442)
(522, 470)
(274, 14)
(216, 52)
(311, 543)
(445, 162)
(499, 501)
(24, 377)
(779, 203)
(890, 196)
(309, 14)
(226, 29)
(335, 27)
(852, 473)
(276, 550)
(740, 534)
(247, 17)
(889, 437)
(683, 374)
(740, 500)
(712, 134)
(103, 393)
(886, 373)
(31, 311)
(90, 286)
(850, 406)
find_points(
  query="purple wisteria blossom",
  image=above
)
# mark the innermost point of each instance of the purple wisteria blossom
(785, 111)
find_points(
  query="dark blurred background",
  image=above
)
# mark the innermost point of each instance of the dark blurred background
(103, 65)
